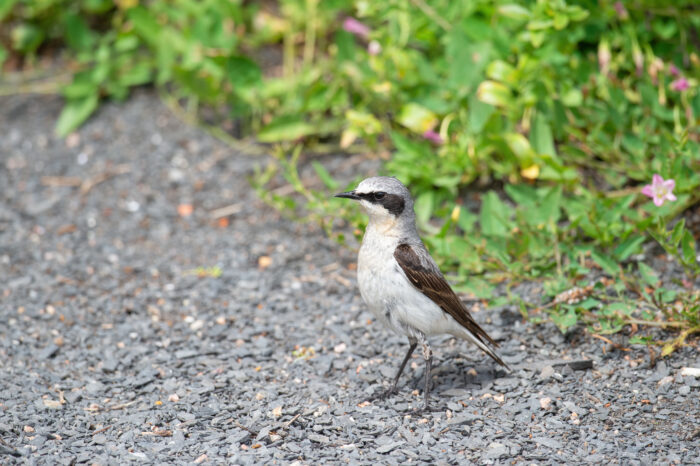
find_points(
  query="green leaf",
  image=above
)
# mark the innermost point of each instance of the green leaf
(138, 74)
(243, 72)
(677, 232)
(479, 114)
(476, 286)
(6, 7)
(551, 205)
(494, 93)
(648, 274)
(74, 113)
(606, 263)
(417, 118)
(27, 37)
(323, 174)
(145, 24)
(514, 11)
(285, 128)
(494, 216)
(572, 98)
(521, 194)
(541, 136)
(628, 247)
(408, 151)
(640, 340)
(346, 45)
(500, 71)
(466, 220)
(424, 205)
(3, 55)
(83, 85)
(565, 320)
(618, 307)
(466, 57)
(520, 146)
(688, 247)
(78, 35)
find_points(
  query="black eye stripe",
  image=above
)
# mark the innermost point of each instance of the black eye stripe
(391, 202)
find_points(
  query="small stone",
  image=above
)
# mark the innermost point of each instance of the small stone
(665, 380)
(496, 450)
(546, 372)
(264, 262)
(52, 404)
(340, 348)
(197, 324)
(389, 447)
(49, 352)
(72, 140)
(690, 371)
(545, 403)
(318, 438)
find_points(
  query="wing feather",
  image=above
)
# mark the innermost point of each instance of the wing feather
(432, 284)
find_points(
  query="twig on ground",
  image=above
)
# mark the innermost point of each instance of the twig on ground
(226, 211)
(85, 185)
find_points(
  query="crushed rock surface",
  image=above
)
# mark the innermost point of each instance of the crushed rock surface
(136, 327)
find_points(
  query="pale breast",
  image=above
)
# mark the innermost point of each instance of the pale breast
(391, 298)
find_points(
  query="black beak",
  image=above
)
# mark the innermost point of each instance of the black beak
(348, 195)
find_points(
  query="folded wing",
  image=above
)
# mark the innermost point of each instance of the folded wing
(432, 284)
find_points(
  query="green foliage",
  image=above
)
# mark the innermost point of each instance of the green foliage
(569, 106)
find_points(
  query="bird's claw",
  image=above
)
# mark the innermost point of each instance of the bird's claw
(425, 409)
(383, 395)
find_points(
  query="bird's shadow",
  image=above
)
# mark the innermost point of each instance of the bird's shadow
(456, 372)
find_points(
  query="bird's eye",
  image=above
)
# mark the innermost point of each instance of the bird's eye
(379, 195)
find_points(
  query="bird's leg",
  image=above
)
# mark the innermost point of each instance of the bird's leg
(428, 356)
(391, 390)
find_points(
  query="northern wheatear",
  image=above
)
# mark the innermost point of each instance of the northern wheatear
(401, 283)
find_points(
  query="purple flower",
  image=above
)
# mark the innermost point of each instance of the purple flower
(353, 26)
(673, 70)
(433, 137)
(680, 84)
(660, 190)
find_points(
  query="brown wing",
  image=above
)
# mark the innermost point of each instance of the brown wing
(432, 284)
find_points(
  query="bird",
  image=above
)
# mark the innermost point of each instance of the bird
(400, 282)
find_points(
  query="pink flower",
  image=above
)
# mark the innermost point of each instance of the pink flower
(374, 48)
(680, 84)
(353, 26)
(621, 11)
(673, 70)
(638, 61)
(433, 137)
(604, 57)
(660, 190)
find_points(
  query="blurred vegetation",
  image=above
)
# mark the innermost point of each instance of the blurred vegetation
(551, 114)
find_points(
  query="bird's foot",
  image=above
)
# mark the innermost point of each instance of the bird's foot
(383, 395)
(425, 409)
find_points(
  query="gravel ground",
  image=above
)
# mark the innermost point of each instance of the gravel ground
(115, 349)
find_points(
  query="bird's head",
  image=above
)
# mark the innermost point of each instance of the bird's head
(384, 198)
